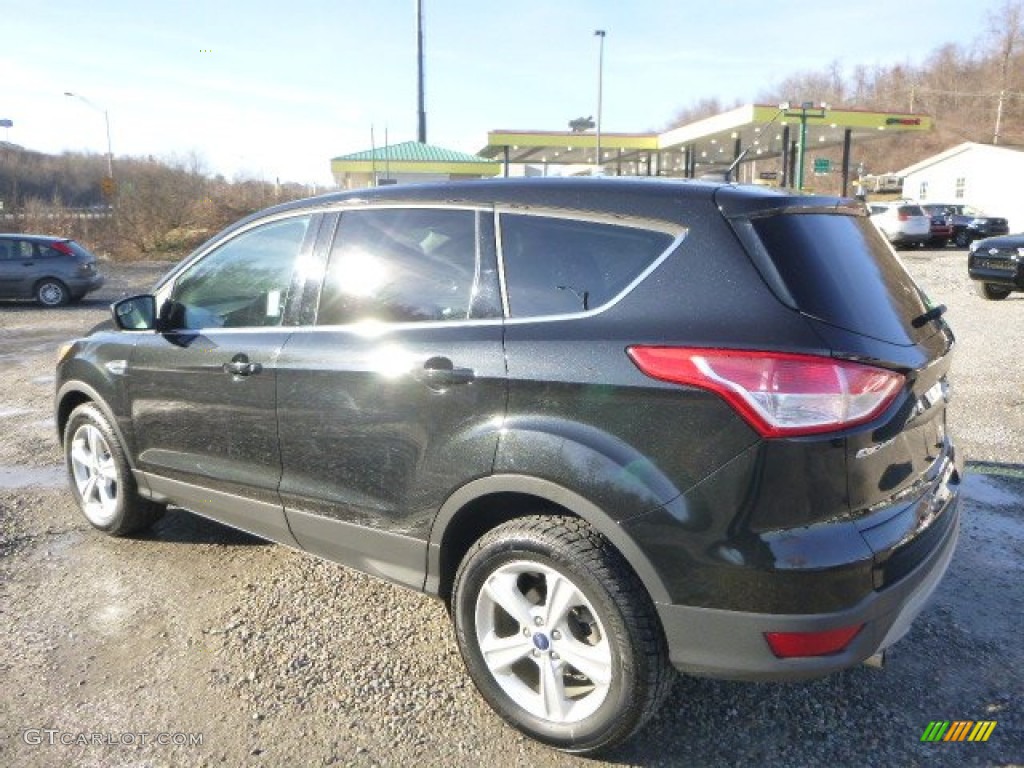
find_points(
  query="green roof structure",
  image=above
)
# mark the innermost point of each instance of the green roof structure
(409, 158)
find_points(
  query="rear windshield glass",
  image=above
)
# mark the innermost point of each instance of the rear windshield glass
(911, 210)
(839, 269)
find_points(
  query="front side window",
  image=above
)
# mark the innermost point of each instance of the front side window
(409, 265)
(557, 266)
(243, 283)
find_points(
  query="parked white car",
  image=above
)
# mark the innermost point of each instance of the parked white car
(903, 223)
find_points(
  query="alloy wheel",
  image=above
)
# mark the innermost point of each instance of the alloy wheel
(543, 642)
(95, 475)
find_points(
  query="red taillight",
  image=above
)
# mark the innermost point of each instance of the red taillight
(61, 247)
(779, 394)
(902, 217)
(789, 645)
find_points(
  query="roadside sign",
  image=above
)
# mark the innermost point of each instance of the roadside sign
(108, 187)
(822, 165)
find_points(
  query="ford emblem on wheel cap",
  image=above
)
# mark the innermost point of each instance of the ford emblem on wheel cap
(541, 642)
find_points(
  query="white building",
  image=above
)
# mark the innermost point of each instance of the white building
(984, 176)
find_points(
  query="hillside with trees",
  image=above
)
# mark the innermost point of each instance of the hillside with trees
(159, 208)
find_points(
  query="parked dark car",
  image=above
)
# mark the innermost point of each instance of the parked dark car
(51, 270)
(621, 427)
(996, 265)
(969, 224)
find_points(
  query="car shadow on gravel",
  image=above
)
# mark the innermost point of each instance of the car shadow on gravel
(183, 527)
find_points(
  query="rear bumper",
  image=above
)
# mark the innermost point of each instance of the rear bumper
(80, 287)
(904, 238)
(731, 644)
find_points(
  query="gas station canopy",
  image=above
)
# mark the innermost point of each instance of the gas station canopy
(752, 132)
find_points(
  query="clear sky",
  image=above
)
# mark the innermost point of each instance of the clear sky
(265, 89)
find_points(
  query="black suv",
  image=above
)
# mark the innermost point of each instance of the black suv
(620, 426)
(996, 265)
(969, 224)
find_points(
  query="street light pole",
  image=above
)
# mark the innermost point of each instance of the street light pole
(106, 120)
(600, 92)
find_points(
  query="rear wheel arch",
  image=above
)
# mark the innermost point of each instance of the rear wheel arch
(484, 504)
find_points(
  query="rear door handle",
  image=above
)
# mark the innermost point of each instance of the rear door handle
(440, 372)
(240, 366)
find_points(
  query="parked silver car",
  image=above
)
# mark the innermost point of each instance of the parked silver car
(51, 270)
(904, 224)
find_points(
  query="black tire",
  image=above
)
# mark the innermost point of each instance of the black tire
(962, 239)
(51, 292)
(607, 613)
(991, 292)
(100, 478)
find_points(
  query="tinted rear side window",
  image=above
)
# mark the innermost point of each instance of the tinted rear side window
(559, 266)
(839, 269)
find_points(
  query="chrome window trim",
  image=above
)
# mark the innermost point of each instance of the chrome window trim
(679, 233)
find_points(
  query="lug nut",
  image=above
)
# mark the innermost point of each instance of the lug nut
(556, 635)
(554, 656)
(526, 631)
(536, 653)
(538, 621)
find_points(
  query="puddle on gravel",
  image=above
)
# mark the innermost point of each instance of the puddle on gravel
(25, 477)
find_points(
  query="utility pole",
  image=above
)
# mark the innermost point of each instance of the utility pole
(422, 133)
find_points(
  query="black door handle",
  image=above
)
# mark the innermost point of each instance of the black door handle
(440, 372)
(240, 366)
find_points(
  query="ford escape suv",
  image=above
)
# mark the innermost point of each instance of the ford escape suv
(622, 427)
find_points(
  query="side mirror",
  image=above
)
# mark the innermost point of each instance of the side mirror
(136, 313)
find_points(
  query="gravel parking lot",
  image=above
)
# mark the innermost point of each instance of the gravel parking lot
(129, 652)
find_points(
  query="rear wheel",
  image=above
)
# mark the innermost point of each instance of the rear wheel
(962, 239)
(51, 292)
(101, 479)
(992, 292)
(559, 635)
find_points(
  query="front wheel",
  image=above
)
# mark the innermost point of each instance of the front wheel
(962, 239)
(559, 635)
(992, 292)
(101, 479)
